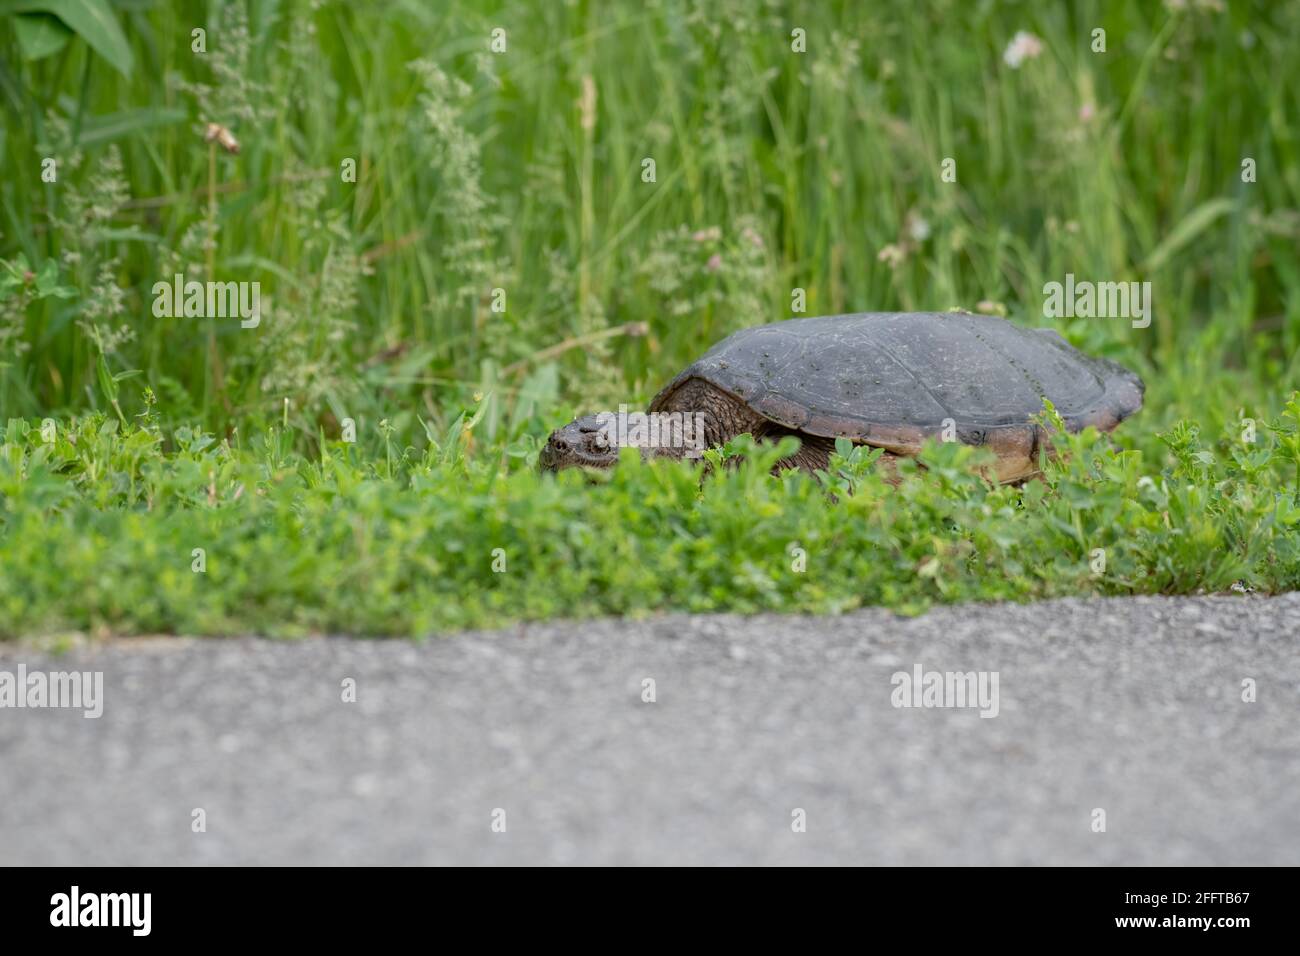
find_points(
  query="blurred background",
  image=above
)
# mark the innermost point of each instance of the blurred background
(504, 146)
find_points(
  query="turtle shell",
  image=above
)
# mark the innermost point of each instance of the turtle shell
(892, 379)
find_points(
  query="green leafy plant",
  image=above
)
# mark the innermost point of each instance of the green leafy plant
(18, 279)
(399, 536)
(44, 27)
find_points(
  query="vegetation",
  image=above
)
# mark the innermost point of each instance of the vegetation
(499, 262)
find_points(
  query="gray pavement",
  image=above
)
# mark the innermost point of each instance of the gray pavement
(1131, 706)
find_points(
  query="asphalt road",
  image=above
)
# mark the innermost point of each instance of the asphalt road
(1130, 706)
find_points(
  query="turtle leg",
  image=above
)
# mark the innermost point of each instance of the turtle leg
(814, 453)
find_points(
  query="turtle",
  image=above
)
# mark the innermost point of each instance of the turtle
(890, 380)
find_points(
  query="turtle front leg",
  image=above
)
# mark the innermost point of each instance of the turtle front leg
(814, 454)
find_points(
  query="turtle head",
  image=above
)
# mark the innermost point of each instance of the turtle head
(584, 442)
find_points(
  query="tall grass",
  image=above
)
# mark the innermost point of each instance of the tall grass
(522, 171)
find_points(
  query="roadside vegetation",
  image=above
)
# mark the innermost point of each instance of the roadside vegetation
(363, 459)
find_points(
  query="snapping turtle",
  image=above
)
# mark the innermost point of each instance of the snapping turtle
(887, 379)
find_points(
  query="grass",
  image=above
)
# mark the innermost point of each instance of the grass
(500, 263)
(106, 532)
